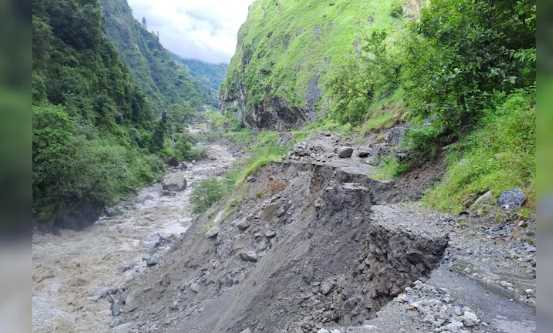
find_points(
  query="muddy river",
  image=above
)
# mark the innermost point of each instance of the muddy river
(74, 271)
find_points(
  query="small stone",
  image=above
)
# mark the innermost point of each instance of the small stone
(124, 328)
(270, 234)
(506, 284)
(458, 311)
(151, 260)
(454, 326)
(323, 330)
(470, 319)
(213, 232)
(363, 154)
(243, 225)
(327, 286)
(247, 330)
(249, 256)
(345, 152)
(195, 287)
(483, 203)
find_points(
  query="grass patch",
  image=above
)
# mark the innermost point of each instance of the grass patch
(389, 169)
(265, 150)
(496, 157)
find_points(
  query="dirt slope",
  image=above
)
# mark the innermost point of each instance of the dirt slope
(314, 245)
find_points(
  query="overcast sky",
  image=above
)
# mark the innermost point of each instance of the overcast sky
(198, 29)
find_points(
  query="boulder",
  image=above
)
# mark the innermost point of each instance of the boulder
(243, 225)
(213, 232)
(173, 162)
(363, 154)
(470, 319)
(151, 260)
(483, 204)
(174, 184)
(345, 152)
(512, 199)
(327, 286)
(249, 256)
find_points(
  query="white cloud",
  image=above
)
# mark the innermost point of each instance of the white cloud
(199, 29)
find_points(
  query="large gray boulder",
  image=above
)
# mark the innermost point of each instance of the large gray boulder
(512, 199)
(174, 183)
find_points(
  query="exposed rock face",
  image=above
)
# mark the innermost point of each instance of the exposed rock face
(275, 113)
(325, 260)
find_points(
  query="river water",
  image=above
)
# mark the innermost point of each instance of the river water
(73, 271)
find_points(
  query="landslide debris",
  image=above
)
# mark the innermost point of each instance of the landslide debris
(301, 251)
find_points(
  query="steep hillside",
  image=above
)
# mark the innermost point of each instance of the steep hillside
(459, 74)
(210, 76)
(288, 49)
(163, 80)
(93, 129)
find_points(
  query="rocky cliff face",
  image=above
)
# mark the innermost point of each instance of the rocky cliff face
(286, 51)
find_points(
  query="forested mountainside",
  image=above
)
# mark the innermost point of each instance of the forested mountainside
(96, 136)
(460, 74)
(153, 67)
(210, 76)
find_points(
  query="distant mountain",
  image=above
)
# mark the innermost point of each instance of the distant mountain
(210, 76)
(153, 67)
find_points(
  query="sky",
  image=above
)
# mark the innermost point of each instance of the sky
(198, 29)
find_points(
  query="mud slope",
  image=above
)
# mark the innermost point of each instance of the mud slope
(306, 254)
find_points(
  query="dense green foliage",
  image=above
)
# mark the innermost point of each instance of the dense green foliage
(70, 169)
(452, 70)
(95, 136)
(460, 55)
(154, 69)
(209, 76)
(497, 156)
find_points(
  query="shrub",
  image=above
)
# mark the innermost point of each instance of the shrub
(208, 192)
(359, 82)
(459, 54)
(498, 156)
(69, 167)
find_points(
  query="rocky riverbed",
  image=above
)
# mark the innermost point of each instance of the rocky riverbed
(76, 273)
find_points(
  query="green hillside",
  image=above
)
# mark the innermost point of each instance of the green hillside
(209, 76)
(456, 72)
(96, 136)
(154, 69)
(289, 49)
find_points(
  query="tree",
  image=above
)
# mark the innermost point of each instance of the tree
(158, 139)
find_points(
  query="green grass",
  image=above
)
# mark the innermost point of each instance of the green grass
(287, 44)
(265, 149)
(496, 157)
